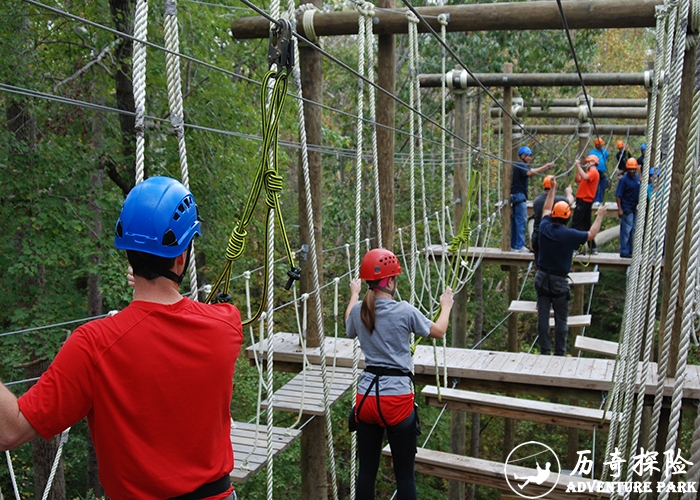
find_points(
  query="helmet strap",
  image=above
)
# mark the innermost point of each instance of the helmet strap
(167, 273)
(382, 287)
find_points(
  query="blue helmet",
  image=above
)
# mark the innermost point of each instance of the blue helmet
(643, 147)
(524, 151)
(159, 217)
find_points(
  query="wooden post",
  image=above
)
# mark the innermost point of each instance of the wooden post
(478, 291)
(386, 116)
(458, 419)
(506, 180)
(314, 483)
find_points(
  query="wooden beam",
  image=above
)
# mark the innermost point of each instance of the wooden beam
(538, 79)
(535, 112)
(603, 129)
(515, 16)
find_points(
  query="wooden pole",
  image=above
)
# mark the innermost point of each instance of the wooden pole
(386, 117)
(476, 17)
(603, 129)
(618, 113)
(540, 79)
(458, 419)
(603, 102)
(314, 482)
(506, 180)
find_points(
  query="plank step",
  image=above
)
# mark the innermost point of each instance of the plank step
(308, 386)
(493, 474)
(517, 408)
(250, 447)
(596, 346)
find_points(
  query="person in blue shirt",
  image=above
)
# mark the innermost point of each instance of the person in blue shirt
(640, 160)
(602, 155)
(557, 245)
(518, 197)
(627, 197)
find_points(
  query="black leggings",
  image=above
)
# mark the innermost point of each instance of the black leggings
(402, 439)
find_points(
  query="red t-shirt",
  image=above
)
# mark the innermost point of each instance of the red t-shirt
(586, 188)
(155, 382)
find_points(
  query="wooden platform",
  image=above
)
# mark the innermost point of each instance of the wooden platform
(243, 441)
(596, 346)
(491, 370)
(289, 397)
(611, 208)
(508, 258)
(493, 474)
(517, 408)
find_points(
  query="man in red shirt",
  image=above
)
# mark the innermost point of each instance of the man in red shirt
(154, 380)
(587, 177)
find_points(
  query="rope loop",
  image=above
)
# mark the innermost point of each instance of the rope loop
(412, 18)
(273, 186)
(309, 11)
(236, 243)
(444, 19)
(365, 9)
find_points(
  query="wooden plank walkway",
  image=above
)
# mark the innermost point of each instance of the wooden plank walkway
(530, 307)
(520, 371)
(496, 405)
(596, 346)
(508, 258)
(249, 458)
(493, 475)
(308, 385)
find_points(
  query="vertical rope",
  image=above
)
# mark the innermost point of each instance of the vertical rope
(12, 474)
(270, 352)
(177, 119)
(139, 76)
(694, 471)
(413, 74)
(56, 461)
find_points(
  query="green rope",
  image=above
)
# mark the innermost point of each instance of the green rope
(267, 175)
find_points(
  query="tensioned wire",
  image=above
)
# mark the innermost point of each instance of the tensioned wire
(344, 152)
(231, 73)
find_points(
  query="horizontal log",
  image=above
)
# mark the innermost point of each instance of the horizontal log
(540, 79)
(620, 113)
(597, 102)
(517, 16)
(603, 130)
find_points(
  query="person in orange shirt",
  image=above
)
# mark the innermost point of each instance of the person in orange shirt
(587, 178)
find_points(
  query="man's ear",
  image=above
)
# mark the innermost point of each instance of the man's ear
(181, 259)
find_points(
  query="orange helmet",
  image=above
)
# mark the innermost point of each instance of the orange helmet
(561, 210)
(632, 164)
(599, 141)
(593, 158)
(379, 263)
(620, 144)
(547, 182)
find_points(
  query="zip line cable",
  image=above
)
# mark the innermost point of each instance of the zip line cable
(233, 74)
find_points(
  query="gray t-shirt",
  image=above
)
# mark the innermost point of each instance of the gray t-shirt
(389, 346)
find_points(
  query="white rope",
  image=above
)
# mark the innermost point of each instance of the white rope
(56, 461)
(177, 118)
(270, 354)
(12, 475)
(687, 212)
(139, 82)
(694, 471)
(314, 264)
(413, 74)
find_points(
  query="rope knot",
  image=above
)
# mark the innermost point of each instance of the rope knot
(273, 185)
(412, 18)
(444, 19)
(236, 243)
(365, 9)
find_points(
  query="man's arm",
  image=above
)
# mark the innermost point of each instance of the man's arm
(549, 202)
(570, 195)
(15, 429)
(620, 213)
(539, 170)
(596, 224)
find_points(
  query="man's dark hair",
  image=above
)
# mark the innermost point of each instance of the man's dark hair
(147, 265)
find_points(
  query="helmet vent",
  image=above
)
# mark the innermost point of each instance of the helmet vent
(119, 229)
(176, 216)
(169, 239)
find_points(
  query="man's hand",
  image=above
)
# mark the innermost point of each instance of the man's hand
(569, 191)
(553, 181)
(602, 211)
(620, 213)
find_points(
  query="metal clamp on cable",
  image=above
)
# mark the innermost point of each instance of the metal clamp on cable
(294, 275)
(281, 49)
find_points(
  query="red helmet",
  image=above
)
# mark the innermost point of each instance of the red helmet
(561, 210)
(379, 263)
